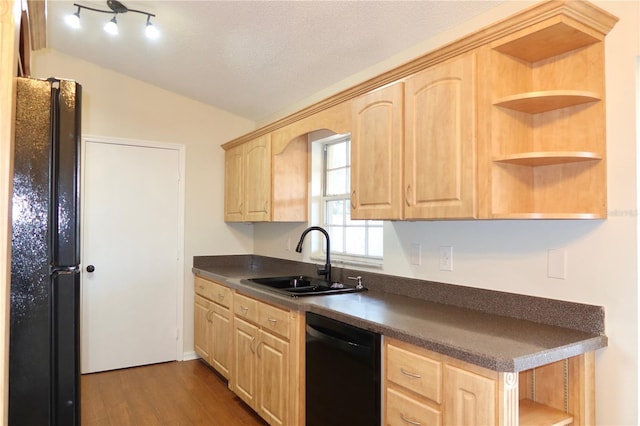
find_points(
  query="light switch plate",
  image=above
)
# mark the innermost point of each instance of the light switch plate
(446, 258)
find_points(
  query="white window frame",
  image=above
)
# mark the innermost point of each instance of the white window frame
(317, 208)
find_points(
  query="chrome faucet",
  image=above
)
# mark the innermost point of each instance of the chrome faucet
(326, 271)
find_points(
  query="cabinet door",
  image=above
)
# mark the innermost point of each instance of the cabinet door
(233, 184)
(257, 169)
(201, 327)
(244, 372)
(221, 339)
(273, 378)
(469, 398)
(376, 154)
(440, 137)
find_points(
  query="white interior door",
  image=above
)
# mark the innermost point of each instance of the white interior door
(131, 236)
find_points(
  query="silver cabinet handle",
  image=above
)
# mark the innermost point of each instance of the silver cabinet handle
(410, 374)
(411, 422)
(244, 309)
(353, 196)
(272, 320)
(221, 296)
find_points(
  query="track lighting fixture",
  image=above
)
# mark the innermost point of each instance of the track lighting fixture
(111, 27)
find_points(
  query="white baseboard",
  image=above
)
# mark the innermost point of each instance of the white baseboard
(191, 355)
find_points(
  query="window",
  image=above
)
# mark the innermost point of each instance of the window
(358, 241)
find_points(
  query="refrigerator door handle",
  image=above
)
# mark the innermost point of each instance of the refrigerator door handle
(66, 270)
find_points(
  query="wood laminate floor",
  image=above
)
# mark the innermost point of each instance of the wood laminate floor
(173, 393)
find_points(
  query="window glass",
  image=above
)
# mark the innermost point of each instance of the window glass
(336, 182)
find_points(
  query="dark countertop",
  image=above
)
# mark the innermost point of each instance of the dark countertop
(498, 342)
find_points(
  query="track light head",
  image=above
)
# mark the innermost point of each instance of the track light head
(111, 27)
(73, 20)
(150, 30)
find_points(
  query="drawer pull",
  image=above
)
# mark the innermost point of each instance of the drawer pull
(221, 296)
(410, 374)
(272, 320)
(244, 309)
(411, 422)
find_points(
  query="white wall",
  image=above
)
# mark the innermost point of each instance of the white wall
(118, 106)
(601, 256)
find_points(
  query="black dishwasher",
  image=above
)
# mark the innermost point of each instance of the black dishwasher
(342, 374)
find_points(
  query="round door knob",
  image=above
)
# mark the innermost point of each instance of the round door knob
(91, 268)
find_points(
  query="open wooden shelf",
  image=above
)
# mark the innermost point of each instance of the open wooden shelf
(548, 100)
(547, 42)
(547, 118)
(548, 158)
(534, 414)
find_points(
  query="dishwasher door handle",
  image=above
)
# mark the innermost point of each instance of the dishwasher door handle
(342, 344)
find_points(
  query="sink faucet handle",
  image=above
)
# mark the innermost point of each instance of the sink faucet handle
(358, 281)
(323, 270)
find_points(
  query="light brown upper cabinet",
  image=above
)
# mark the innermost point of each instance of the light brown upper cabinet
(440, 142)
(546, 139)
(376, 154)
(266, 180)
(247, 186)
(267, 177)
(413, 146)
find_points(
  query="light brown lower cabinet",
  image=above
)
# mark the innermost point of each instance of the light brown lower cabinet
(425, 388)
(469, 398)
(266, 365)
(201, 327)
(212, 324)
(256, 346)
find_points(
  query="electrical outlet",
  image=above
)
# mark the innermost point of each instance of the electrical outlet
(446, 258)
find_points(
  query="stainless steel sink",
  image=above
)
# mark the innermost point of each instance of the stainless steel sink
(300, 285)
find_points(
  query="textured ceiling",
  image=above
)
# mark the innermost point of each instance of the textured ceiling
(253, 58)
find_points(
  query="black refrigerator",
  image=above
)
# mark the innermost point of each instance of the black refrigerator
(44, 364)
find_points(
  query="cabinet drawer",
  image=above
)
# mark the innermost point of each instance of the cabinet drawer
(246, 307)
(221, 295)
(204, 288)
(403, 410)
(274, 319)
(415, 372)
